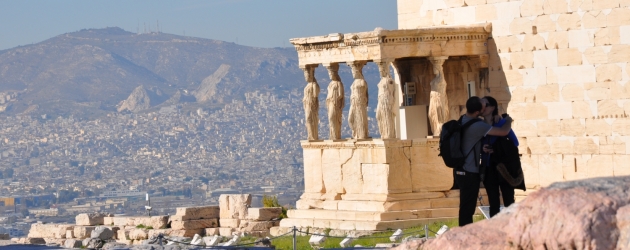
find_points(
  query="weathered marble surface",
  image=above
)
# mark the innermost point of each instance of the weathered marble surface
(335, 102)
(373, 184)
(357, 116)
(385, 116)
(311, 103)
(438, 104)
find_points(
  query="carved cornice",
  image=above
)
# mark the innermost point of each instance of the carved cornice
(385, 37)
(320, 46)
(369, 144)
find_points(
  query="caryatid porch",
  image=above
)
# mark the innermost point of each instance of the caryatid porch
(397, 181)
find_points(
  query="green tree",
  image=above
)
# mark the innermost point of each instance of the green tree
(272, 201)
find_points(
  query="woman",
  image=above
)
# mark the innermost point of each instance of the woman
(501, 160)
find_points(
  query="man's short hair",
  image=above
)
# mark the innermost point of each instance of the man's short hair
(473, 104)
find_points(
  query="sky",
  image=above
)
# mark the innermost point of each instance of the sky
(258, 23)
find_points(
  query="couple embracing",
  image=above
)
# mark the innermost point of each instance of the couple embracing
(492, 158)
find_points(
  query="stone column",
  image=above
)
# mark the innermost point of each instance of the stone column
(335, 101)
(311, 102)
(357, 117)
(438, 103)
(385, 115)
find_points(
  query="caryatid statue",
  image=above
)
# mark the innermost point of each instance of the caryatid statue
(357, 117)
(385, 116)
(335, 102)
(438, 103)
(311, 102)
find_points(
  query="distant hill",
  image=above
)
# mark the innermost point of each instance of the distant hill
(95, 71)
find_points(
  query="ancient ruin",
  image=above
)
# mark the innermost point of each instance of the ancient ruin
(559, 68)
(210, 225)
(373, 184)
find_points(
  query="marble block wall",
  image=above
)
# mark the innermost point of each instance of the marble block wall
(361, 170)
(565, 64)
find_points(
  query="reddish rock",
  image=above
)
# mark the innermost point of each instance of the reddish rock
(412, 245)
(585, 214)
(623, 223)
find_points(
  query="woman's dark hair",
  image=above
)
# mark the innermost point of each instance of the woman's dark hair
(492, 103)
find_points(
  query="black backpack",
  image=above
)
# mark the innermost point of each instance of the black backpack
(451, 143)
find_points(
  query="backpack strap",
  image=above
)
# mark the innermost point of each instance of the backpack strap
(464, 127)
(468, 123)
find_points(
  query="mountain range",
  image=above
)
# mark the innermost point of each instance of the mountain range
(92, 72)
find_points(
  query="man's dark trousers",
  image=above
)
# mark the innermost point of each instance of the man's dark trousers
(468, 192)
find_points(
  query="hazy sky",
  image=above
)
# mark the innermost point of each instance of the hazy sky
(260, 23)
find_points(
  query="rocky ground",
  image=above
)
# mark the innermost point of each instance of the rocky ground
(585, 214)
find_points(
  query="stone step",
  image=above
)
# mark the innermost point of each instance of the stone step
(392, 197)
(384, 206)
(359, 225)
(372, 216)
(386, 197)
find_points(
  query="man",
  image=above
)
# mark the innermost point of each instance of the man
(468, 178)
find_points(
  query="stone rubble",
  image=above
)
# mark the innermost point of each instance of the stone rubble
(82, 232)
(73, 243)
(201, 226)
(102, 233)
(91, 219)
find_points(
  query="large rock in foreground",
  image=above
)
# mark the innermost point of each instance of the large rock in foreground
(586, 214)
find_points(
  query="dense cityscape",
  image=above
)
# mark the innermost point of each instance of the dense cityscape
(173, 152)
(183, 132)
